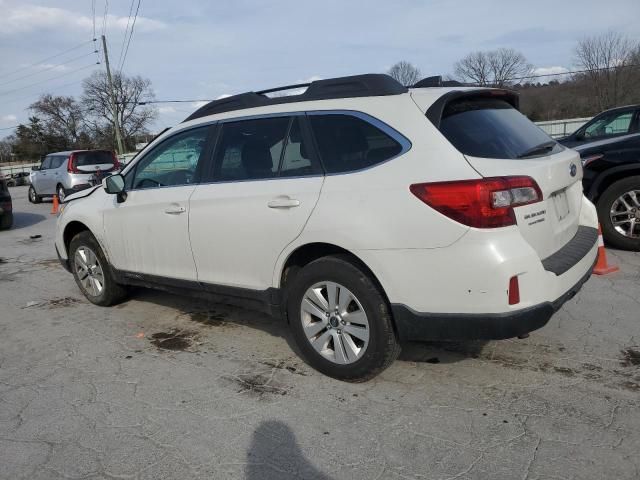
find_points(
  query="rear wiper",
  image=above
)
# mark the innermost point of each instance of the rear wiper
(538, 149)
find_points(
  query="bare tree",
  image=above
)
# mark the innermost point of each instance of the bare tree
(61, 117)
(499, 68)
(606, 59)
(131, 95)
(405, 73)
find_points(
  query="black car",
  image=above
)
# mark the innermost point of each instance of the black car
(609, 146)
(6, 207)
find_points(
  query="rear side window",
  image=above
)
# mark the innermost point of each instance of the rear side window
(93, 158)
(57, 161)
(46, 163)
(348, 143)
(492, 128)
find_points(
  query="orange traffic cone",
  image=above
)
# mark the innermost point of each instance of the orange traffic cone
(602, 267)
(54, 208)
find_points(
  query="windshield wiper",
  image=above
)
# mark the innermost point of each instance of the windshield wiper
(538, 149)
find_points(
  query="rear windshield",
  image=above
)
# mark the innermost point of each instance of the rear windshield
(93, 158)
(492, 128)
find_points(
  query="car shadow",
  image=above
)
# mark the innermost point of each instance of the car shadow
(209, 313)
(441, 351)
(24, 219)
(275, 454)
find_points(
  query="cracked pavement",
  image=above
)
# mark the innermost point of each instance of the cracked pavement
(169, 387)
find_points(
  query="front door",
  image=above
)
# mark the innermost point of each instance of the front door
(148, 232)
(263, 189)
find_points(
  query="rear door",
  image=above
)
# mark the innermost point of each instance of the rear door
(41, 180)
(497, 140)
(264, 185)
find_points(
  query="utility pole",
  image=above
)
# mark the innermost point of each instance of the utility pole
(116, 121)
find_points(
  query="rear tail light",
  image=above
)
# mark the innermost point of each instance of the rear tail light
(514, 291)
(71, 164)
(591, 158)
(483, 203)
(116, 162)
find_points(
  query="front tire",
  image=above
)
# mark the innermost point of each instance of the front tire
(33, 196)
(340, 320)
(92, 272)
(619, 214)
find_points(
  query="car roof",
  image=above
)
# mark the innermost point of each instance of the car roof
(69, 152)
(618, 109)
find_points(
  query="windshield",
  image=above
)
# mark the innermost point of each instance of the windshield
(93, 158)
(492, 128)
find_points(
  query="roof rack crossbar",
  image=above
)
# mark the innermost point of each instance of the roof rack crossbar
(286, 87)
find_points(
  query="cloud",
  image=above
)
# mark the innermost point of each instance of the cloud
(167, 109)
(22, 18)
(10, 118)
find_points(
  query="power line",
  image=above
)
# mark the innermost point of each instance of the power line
(9, 128)
(51, 67)
(32, 95)
(126, 30)
(48, 58)
(49, 79)
(130, 35)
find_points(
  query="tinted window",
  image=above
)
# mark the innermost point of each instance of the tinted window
(296, 160)
(46, 163)
(250, 149)
(57, 161)
(612, 124)
(93, 158)
(490, 128)
(349, 143)
(173, 162)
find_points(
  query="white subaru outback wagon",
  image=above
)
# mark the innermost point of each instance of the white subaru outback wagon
(363, 212)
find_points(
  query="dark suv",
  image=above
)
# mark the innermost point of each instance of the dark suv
(609, 146)
(6, 207)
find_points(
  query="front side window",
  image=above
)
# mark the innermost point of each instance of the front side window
(250, 149)
(492, 128)
(607, 125)
(173, 162)
(348, 143)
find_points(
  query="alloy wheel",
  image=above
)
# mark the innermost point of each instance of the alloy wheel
(334, 322)
(89, 271)
(61, 194)
(625, 214)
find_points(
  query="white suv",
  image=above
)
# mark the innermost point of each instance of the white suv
(363, 212)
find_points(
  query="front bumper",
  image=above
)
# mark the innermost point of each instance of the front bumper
(63, 262)
(413, 325)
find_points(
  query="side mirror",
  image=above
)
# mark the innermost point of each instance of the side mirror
(114, 185)
(579, 135)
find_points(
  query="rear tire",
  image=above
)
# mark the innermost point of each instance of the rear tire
(61, 193)
(33, 196)
(614, 199)
(354, 342)
(92, 271)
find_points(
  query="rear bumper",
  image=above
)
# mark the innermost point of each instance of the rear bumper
(412, 325)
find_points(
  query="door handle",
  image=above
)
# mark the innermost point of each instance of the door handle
(283, 202)
(175, 210)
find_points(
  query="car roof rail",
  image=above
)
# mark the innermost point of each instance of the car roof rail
(367, 85)
(436, 81)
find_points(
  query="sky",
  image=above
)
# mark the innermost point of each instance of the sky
(202, 49)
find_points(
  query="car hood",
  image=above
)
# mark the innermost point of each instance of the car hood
(81, 194)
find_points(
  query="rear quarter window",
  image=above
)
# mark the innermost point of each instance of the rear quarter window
(492, 128)
(348, 143)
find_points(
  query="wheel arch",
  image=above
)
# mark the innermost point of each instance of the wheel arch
(609, 177)
(72, 229)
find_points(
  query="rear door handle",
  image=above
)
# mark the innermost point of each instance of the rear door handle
(283, 202)
(175, 210)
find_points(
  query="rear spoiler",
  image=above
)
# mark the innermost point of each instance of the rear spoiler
(435, 111)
